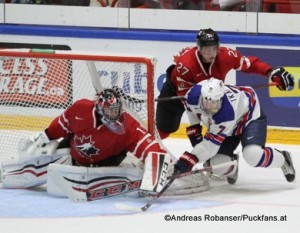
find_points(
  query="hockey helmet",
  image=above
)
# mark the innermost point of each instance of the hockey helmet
(109, 107)
(212, 93)
(207, 37)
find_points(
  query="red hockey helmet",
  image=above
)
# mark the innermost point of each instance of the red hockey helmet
(109, 107)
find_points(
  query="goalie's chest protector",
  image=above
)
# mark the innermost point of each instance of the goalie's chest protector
(93, 144)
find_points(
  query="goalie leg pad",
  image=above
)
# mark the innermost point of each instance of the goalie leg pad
(96, 182)
(157, 166)
(29, 172)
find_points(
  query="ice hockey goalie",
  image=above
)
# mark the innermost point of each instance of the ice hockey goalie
(86, 148)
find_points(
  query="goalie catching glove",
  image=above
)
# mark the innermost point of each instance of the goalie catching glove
(185, 163)
(33, 144)
(40, 139)
(284, 80)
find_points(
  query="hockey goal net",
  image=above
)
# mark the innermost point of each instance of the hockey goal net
(36, 86)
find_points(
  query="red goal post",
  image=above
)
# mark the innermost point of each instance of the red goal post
(38, 85)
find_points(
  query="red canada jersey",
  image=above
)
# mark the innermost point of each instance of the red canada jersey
(92, 142)
(189, 69)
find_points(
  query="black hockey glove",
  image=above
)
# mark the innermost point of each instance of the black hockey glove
(183, 4)
(185, 163)
(284, 80)
(194, 132)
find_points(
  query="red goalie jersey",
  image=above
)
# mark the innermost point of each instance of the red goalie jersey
(190, 70)
(92, 142)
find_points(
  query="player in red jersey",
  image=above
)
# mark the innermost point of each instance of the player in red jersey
(98, 134)
(100, 131)
(207, 59)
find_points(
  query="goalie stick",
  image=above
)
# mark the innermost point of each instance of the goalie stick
(144, 208)
(149, 203)
(77, 195)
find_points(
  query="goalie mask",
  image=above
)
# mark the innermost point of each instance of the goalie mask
(109, 108)
(212, 93)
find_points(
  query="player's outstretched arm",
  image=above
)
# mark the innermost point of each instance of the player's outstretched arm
(284, 80)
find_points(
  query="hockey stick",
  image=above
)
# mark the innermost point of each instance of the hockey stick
(171, 180)
(149, 203)
(173, 98)
(264, 85)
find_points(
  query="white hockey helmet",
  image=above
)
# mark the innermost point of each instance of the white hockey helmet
(212, 93)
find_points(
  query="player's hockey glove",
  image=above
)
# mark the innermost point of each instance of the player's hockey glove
(194, 132)
(284, 80)
(185, 163)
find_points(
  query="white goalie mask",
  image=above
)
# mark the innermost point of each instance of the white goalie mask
(212, 93)
(109, 108)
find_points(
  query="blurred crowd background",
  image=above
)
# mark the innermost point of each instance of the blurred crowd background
(274, 6)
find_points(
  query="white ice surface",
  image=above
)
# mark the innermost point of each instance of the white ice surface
(258, 193)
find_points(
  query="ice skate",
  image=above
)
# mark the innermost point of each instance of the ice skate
(288, 167)
(233, 178)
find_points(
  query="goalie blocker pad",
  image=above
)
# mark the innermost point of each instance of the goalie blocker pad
(158, 166)
(156, 169)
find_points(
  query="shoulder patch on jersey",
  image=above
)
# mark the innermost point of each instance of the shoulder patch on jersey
(193, 95)
(226, 113)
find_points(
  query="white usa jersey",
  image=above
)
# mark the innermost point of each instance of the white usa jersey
(240, 106)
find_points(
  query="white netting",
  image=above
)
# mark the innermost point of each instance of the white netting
(36, 87)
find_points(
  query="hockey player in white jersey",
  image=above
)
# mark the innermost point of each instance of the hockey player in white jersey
(231, 114)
